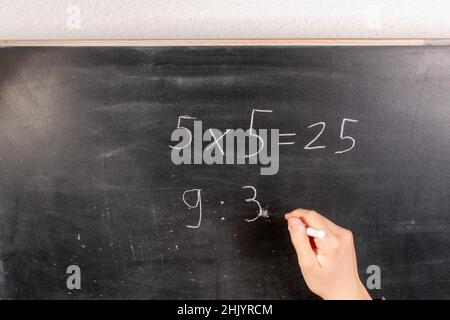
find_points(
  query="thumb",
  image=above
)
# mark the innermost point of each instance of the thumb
(300, 240)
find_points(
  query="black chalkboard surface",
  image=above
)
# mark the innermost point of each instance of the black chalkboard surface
(87, 177)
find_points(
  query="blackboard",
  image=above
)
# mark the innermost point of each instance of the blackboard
(87, 179)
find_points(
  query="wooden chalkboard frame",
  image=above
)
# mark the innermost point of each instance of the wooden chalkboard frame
(231, 42)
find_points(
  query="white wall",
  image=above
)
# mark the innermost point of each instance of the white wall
(134, 19)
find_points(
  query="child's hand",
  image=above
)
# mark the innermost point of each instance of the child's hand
(329, 264)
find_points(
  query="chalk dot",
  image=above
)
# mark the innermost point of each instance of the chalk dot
(222, 202)
(222, 218)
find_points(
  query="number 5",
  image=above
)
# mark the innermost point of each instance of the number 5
(188, 131)
(347, 137)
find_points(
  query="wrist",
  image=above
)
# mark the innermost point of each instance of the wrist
(363, 293)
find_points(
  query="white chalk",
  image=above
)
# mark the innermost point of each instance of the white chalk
(315, 233)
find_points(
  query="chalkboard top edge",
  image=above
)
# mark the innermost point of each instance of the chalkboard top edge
(228, 42)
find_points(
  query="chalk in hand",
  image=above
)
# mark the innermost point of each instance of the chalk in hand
(315, 233)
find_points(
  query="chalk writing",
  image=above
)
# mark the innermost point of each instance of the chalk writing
(188, 131)
(286, 135)
(341, 136)
(308, 146)
(253, 134)
(198, 204)
(347, 137)
(261, 212)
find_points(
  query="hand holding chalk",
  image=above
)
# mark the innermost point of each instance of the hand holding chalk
(320, 234)
(336, 276)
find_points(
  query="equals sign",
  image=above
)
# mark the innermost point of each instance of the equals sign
(286, 135)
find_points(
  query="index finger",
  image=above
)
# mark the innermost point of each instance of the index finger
(313, 219)
(317, 221)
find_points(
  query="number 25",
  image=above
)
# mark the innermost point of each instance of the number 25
(342, 137)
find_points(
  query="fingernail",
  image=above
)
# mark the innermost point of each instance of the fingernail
(294, 223)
